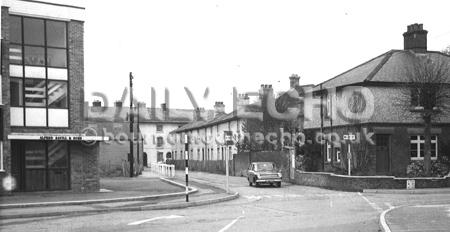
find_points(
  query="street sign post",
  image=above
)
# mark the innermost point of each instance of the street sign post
(228, 139)
(348, 138)
(186, 158)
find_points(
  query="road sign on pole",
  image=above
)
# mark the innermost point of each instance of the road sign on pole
(228, 139)
(186, 162)
(349, 137)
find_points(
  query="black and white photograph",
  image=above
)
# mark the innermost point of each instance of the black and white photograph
(225, 115)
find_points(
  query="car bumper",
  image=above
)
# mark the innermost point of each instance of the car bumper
(268, 181)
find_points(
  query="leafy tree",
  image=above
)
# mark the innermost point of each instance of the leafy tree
(446, 50)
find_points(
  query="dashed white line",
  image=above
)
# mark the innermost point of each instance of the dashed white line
(373, 205)
(230, 224)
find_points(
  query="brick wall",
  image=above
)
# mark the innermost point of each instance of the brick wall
(84, 173)
(351, 183)
(114, 153)
(399, 148)
(5, 95)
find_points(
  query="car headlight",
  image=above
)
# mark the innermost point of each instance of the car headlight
(279, 175)
(258, 175)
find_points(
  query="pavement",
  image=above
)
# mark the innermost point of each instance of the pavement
(146, 192)
(289, 208)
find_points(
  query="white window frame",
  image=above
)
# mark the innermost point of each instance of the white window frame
(419, 141)
(328, 151)
(338, 154)
(328, 105)
(2, 168)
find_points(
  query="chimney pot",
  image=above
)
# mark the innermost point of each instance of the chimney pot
(415, 38)
(118, 104)
(97, 103)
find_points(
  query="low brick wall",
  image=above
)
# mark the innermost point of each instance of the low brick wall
(358, 183)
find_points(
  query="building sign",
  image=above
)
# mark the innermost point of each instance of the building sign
(56, 137)
(410, 184)
(65, 138)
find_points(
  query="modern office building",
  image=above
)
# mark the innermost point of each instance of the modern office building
(44, 146)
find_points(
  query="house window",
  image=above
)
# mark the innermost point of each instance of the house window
(338, 154)
(328, 113)
(417, 149)
(328, 151)
(203, 153)
(159, 128)
(38, 72)
(159, 141)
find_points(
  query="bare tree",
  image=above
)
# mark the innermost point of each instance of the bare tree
(427, 93)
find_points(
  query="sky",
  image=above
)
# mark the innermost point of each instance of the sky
(218, 44)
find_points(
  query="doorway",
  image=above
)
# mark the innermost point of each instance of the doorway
(383, 156)
(41, 165)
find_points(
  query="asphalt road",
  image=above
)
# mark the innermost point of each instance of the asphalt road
(289, 208)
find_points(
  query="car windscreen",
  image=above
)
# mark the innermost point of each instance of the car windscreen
(264, 167)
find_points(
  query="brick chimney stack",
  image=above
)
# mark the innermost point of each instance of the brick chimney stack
(118, 104)
(243, 99)
(219, 109)
(265, 89)
(415, 38)
(165, 111)
(294, 80)
(198, 114)
(97, 103)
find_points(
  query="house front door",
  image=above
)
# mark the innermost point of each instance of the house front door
(382, 154)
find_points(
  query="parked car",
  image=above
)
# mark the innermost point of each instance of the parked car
(263, 173)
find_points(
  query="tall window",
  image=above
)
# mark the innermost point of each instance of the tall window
(328, 151)
(417, 149)
(159, 141)
(338, 154)
(38, 72)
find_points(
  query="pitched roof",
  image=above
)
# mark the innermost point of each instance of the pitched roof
(387, 67)
(156, 115)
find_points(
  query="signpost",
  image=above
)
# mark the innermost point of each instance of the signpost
(186, 158)
(348, 138)
(228, 138)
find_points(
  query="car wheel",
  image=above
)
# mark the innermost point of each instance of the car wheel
(255, 183)
(278, 184)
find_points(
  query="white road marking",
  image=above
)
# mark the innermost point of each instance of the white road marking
(388, 205)
(383, 220)
(230, 224)
(431, 206)
(373, 205)
(153, 219)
